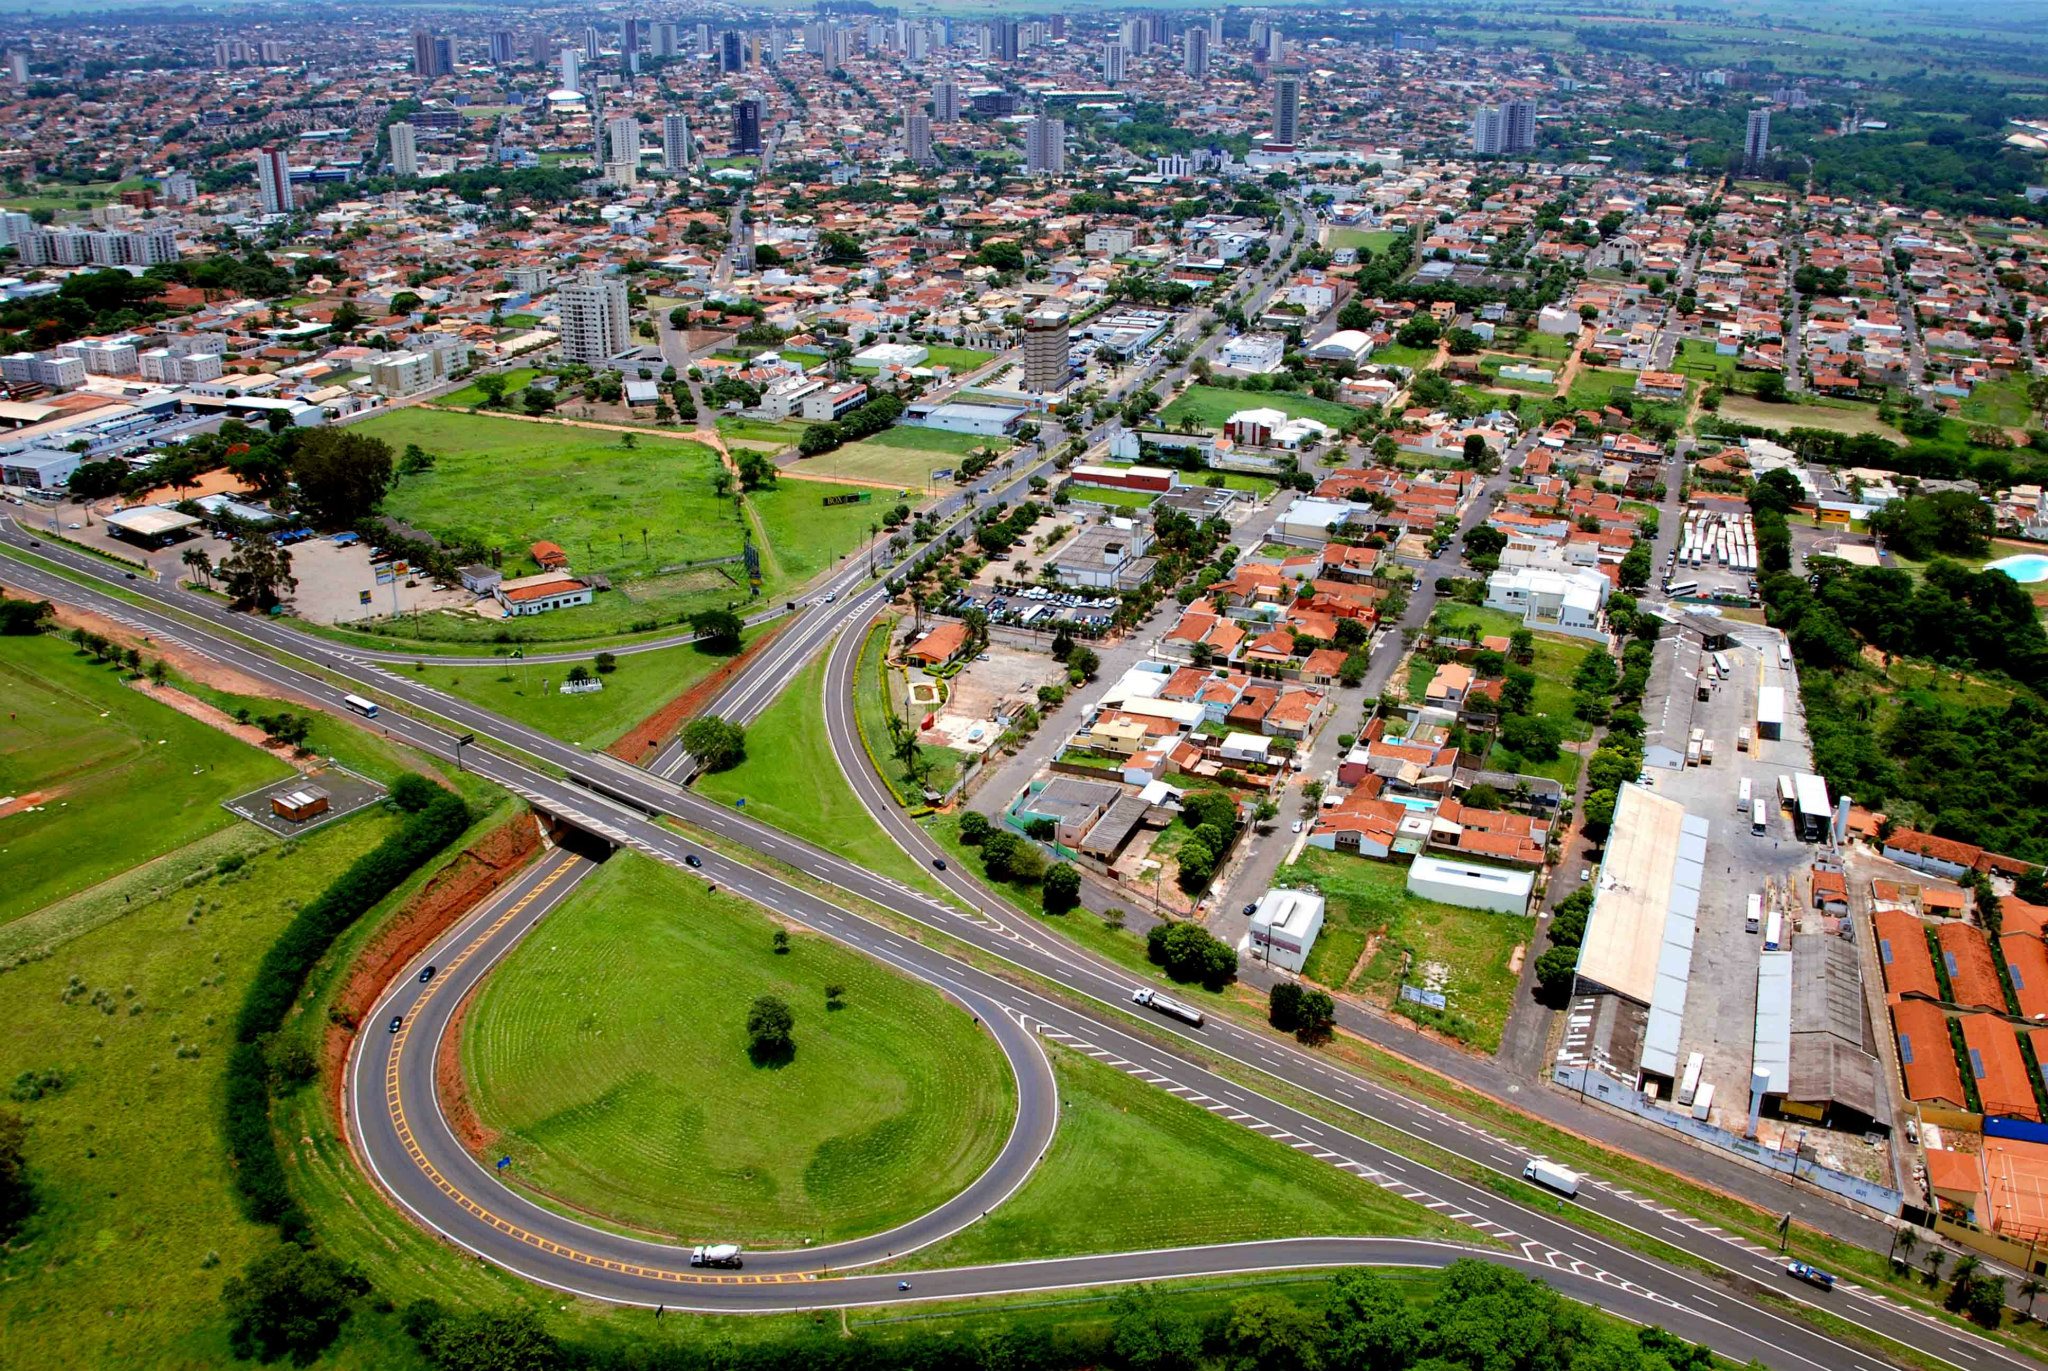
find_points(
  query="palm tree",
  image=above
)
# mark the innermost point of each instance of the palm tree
(2029, 1288)
(1903, 1243)
(1934, 1261)
(201, 564)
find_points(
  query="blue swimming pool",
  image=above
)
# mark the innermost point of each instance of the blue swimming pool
(2026, 570)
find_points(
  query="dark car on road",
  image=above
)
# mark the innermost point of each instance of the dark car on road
(397, 1022)
(692, 859)
(427, 974)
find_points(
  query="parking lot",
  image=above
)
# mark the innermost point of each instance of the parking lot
(1720, 1007)
(333, 581)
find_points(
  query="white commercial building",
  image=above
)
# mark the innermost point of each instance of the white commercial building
(595, 325)
(1257, 353)
(1285, 925)
(1471, 886)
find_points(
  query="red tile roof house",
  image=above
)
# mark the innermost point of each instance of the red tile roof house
(1926, 1057)
(1972, 974)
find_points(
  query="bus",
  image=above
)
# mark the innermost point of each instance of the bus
(1785, 655)
(366, 708)
(1786, 797)
(1676, 588)
(1759, 816)
(1725, 664)
(1742, 795)
(1754, 918)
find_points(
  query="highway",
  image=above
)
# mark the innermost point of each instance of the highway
(1088, 1017)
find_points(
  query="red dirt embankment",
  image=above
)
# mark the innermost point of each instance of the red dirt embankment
(479, 869)
(658, 727)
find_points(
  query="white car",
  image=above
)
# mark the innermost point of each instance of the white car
(1297, 826)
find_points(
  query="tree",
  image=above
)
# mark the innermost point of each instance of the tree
(25, 618)
(1283, 1005)
(1147, 1335)
(17, 1195)
(770, 1030)
(96, 480)
(257, 572)
(1372, 1326)
(290, 1301)
(718, 743)
(974, 827)
(1269, 1332)
(1084, 662)
(839, 248)
(1189, 952)
(1062, 889)
(1770, 388)
(1556, 969)
(717, 630)
(492, 386)
(1317, 1016)
(342, 475)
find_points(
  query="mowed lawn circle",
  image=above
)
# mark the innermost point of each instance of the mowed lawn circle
(609, 1054)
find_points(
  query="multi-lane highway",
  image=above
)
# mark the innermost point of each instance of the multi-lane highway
(1086, 1014)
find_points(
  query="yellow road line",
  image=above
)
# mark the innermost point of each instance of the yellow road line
(403, 1127)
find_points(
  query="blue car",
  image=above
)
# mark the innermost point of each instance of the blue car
(1812, 1275)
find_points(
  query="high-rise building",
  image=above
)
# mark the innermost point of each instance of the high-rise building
(594, 323)
(405, 154)
(1518, 119)
(1045, 146)
(1276, 45)
(917, 137)
(1003, 40)
(180, 188)
(504, 43)
(1216, 30)
(274, 180)
(432, 54)
(592, 44)
(1137, 36)
(1058, 25)
(746, 125)
(543, 48)
(631, 32)
(1489, 132)
(271, 52)
(1507, 130)
(1287, 108)
(622, 140)
(1195, 52)
(1756, 142)
(1112, 64)
(946, 102)
(677, 147)
(571, 63)
(668, 39)
(1047, 368)
(17, 68)
(731, 56)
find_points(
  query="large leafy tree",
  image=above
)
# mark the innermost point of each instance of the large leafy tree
(342, 475)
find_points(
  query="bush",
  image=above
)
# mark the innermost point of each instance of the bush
(290, 1302)
(17, 1196)
(281, 976)
(974, 828)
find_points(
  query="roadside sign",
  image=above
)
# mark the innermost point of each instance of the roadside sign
(362, 597)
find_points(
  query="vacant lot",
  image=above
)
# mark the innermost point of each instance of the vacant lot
(1374, 241)
(1112, 495)
(1593, 386)
(516, 380)
(121, 778)
(646, 516)
(1211, 406)
(758, 433)
(611, 1051)
(2000, 402)
(1463, 953)
(137, 1223)
(1133, 1168)
(1492, 362)
(1857, 419)
(900, 457)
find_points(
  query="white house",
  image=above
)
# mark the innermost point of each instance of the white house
(1307, 522)
(1470, 886)
(1559, 599)
(1285, 925)
(1246, 747)
(1555, 319)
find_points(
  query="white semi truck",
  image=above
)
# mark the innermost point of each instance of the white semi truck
(1550, 1174)
(1152, 999)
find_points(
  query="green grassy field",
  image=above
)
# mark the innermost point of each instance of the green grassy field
(137, 1222)
(1492, 362)
(1462, 952)
(900, 468)
(1594, 386)
(58, 196)
(1396, 355)
(610, 1051)
(641, 683)
(125, 778)
(1529, 342)
(639, 515)
(874, 699)
(1375, 241)
(759, 433)
(1697, 358)
(1133, 1168)
(516, 380)
(1852, 419)
(1212, 406)
(2003, 403)
(789, 742)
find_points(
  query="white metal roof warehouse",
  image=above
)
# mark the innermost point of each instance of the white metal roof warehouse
(1639, 936)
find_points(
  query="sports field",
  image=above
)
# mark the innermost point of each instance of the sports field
(610, 1052)
(121, 778)
(1212, 406)
(759, 434)
(1133, 1168)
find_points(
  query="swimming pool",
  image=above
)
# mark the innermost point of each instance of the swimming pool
(2026, 570)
